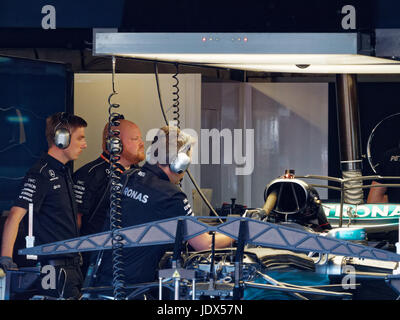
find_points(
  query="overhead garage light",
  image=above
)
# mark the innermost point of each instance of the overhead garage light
(272, 52)
(393, 68)
(263, 59)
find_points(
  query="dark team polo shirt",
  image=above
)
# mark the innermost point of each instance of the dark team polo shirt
(48, 185)
(390, 166)
(92, 194)
(148, 196)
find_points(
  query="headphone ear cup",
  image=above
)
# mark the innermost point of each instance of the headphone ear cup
(114, 145)
(180, 163)
(62, 138)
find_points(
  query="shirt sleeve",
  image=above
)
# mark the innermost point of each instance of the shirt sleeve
(178, 205)
(33, 189)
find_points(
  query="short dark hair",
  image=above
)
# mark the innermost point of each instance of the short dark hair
(62, 120)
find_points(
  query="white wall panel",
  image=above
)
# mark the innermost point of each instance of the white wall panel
(291, 129)
(290, 122)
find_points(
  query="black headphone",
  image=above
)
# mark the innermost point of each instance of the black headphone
(181, 161)
(114, 143)
(62, 136)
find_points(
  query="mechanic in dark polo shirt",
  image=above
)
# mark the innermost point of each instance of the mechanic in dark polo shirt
(48, 186)
(150, 194)
(92, 183)
(389, 166)
(92, 180)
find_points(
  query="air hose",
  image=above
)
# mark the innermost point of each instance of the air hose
(176, 98)
(203, 197)
(114, 147)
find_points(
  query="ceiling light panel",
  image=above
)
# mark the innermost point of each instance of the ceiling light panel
(271, 52)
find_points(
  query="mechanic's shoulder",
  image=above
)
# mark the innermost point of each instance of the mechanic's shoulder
(91, 169)
(163, 187)
(93, 166)
(170, 190)
(39, 171)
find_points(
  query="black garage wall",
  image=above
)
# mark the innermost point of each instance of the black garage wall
(30, 91)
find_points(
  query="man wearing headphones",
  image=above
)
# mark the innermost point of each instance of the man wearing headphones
(92, 182)
(153, 193)
(48, 186)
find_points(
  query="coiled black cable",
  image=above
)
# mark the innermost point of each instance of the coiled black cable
(114, 147)
(176, 98)
(175, 104)
(208, 204)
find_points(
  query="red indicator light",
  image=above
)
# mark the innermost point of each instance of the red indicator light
(245, 39)
(204, 39)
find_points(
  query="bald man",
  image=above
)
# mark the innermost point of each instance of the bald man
(92, 180)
